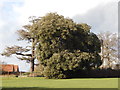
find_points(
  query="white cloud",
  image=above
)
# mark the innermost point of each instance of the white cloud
(68, 8)
(102, 18)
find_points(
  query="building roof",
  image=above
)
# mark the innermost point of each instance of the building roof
(10, 68)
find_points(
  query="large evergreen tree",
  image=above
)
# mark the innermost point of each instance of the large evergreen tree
(65, 46)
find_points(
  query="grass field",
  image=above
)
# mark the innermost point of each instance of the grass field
(39, 82)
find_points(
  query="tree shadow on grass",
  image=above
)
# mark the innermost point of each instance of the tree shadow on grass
(42, 88)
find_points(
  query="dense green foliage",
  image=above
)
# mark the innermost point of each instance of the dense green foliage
(64, 45)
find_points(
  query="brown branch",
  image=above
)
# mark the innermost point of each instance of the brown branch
(24, 54)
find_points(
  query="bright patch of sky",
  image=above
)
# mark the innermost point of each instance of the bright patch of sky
(9, 23)
(15, 13)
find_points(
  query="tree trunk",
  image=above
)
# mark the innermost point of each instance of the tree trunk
(33, 56)
(32, 65)
(108, 60)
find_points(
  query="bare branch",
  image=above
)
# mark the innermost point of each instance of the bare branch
(24, 58)
(24, 54)
(27, 59)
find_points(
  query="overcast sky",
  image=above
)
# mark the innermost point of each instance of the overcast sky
(101, 15)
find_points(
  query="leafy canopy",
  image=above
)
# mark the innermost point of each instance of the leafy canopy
(64, 45)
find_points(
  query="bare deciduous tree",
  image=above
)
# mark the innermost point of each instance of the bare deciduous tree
(109, 48)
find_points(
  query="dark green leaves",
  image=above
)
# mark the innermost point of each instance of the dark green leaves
(64, 46)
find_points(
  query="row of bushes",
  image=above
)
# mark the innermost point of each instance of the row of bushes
(99, 73)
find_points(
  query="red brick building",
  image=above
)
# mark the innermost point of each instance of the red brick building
(10, 68)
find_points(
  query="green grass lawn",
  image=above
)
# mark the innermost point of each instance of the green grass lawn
(39, 82)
